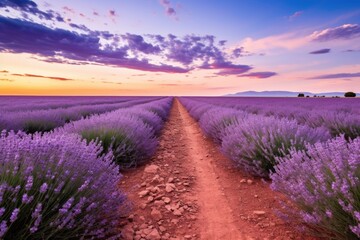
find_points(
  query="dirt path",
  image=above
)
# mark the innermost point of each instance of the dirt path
(216, 220)
(189, 190)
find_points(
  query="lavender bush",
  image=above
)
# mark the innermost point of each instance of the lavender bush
(57, 187)
(147, 117)
(324, 183)
(131, 141)
(255, 142)
(214, 122)
(129, 133)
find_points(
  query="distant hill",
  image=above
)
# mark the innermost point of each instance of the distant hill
(284, 94)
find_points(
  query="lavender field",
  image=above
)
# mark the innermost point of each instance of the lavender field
(309, 148)
(62, 159)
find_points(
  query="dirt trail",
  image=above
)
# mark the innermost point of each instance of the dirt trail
(189, 190)
(215, 219)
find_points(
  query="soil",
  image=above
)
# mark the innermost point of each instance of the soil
(190, 190)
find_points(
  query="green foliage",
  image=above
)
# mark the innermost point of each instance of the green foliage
(33, 126)
(114, 140)
(350, 94)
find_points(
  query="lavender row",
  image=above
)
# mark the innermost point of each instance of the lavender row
(63, 184)
(46, 120)
(339, 116)
(252, 141)
(57, 187)
(267, 104)
(27, 103)
(130, 133)
(320, 174)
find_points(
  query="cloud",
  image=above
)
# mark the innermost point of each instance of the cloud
(152, 53)
(238, 52)
(175, 84)
(69, 10)
(337, 75)
(199, 49)
(55, 44)
(227, 68)
(27, 7)
(222, 42)
(112, 13)
(139, 75)
(169, 10)
(107, 82)
(259, 74)
(211, 76)
(294, 40)
(321, 51)
(6, 80)
(4, 71)
(80, 27)
(41, 76)
(295, 15)
(287, 41)
(346, 31)
(352, 50)
(137, 42)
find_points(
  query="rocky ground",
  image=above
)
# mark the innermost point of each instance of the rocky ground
(189, 190)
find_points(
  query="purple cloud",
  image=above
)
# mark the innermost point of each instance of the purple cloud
(80, 27)
(295, 15)
(131, 51)
(199, 49)
(189, 49)
(352, 50)
(227, 68)
(337, 75)
(169, 10)
(222, 42)
(238, 52)
(112, 13)
(346, 31)
(137, 42)
(259, 74)
(58, 44)
(41, 76)
(321, 51)
(68, 9)
(29, 7)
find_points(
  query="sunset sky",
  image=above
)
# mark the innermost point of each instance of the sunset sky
(184, 47)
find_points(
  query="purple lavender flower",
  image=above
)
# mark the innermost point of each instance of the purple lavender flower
(2, 211)
(128, 134)
(45, 119)
(23, 192)
(14, 215)
(27, 199)
(43, 187)
(3, 228)
(323, 181)
(29, 183)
